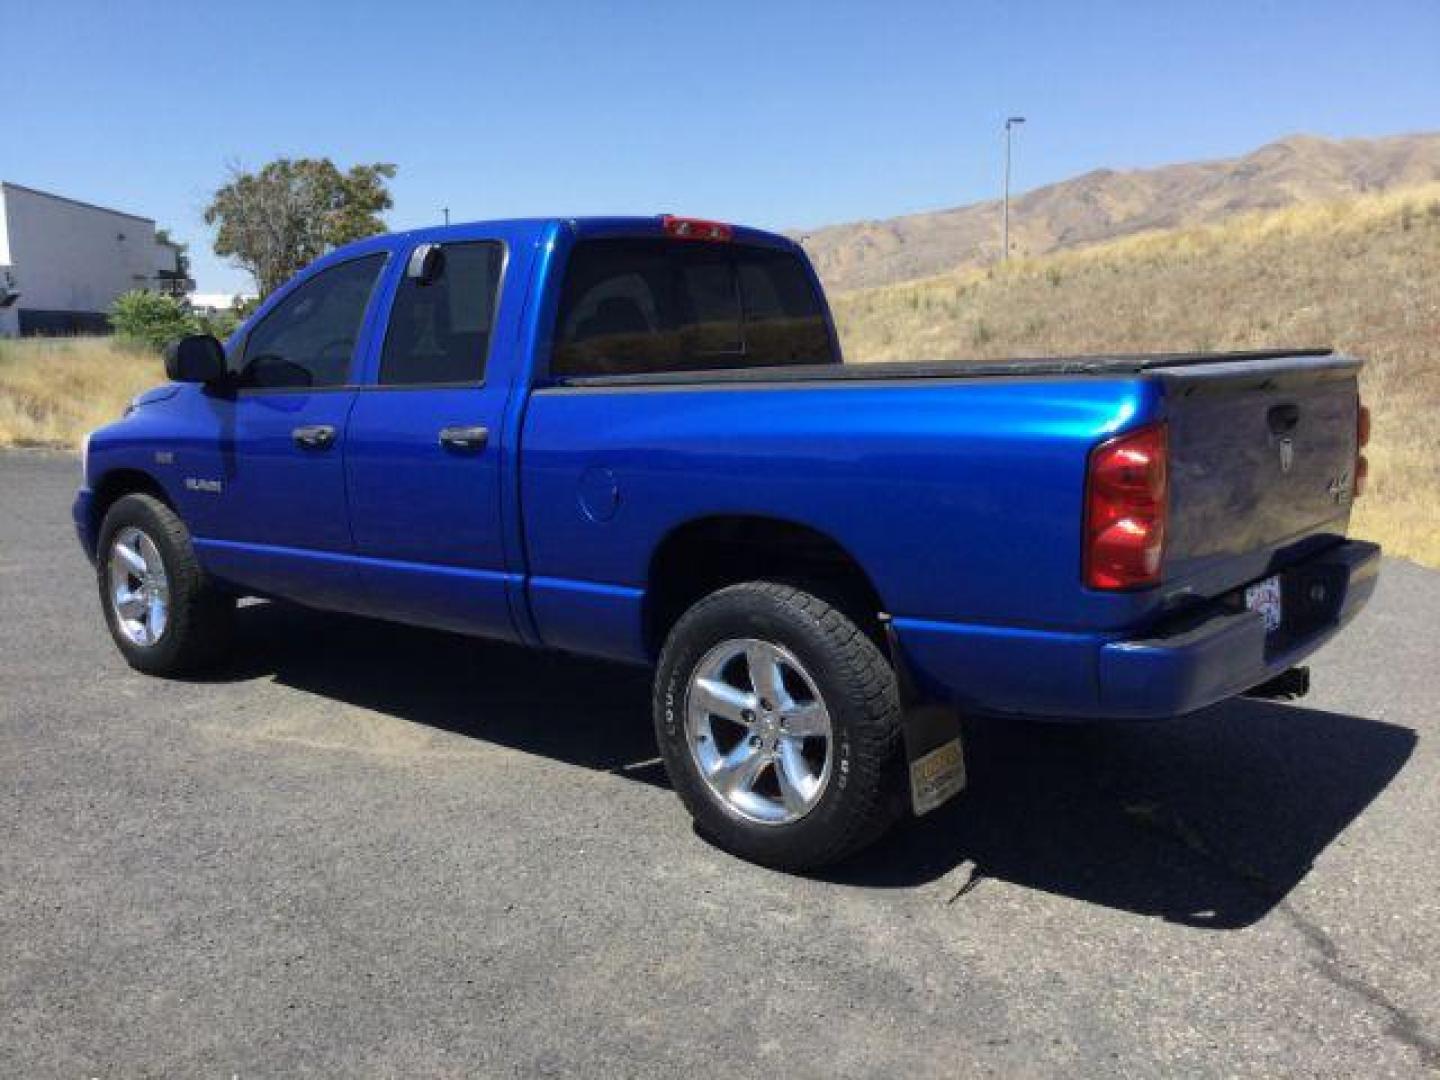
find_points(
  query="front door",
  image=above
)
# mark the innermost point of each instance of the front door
(270, 512)
(424, 454)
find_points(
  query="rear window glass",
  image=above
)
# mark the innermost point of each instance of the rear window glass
(636, 306)
(440, 330)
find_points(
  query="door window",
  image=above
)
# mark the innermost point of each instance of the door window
(309, 339)
(440, 329)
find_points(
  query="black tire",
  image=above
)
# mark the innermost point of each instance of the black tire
(864, 794)
(200, 618)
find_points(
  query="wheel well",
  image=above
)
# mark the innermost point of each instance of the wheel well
(115, 485)
(703, 556)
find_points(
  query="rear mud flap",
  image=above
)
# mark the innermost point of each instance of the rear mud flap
(934, 752)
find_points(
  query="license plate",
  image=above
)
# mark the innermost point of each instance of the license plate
(1264, 597)
(937, 777)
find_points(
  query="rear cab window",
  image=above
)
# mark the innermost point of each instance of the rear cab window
(642, 306)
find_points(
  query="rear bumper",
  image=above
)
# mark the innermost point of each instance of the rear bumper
(1183, 666)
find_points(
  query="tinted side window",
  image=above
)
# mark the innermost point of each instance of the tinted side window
(309, 338)
(636, 306)
(440, 330)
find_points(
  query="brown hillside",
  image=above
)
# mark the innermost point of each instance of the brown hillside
(1106, 204)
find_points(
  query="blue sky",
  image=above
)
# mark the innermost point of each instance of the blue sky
(773, 113)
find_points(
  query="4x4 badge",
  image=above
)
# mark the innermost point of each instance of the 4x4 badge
(1339, 487)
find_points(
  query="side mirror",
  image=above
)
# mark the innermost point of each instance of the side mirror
(427, 263)
(198, 358)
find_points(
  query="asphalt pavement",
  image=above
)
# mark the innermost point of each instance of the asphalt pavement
(369, 850)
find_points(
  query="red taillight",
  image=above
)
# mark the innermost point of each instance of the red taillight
(1362, 439)
(1125, 497)
(683, 228)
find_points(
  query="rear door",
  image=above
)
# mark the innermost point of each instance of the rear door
(425, 450)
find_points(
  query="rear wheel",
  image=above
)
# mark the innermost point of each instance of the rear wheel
(779, 723)
(163, 614)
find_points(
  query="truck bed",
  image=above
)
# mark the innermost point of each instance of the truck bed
(1110, 364)
(1262, 448)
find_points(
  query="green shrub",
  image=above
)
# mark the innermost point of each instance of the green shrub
(151, 319)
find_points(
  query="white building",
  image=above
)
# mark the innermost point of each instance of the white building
(63, 262)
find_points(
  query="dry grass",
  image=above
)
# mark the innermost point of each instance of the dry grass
(54, 390)
(1362, 275)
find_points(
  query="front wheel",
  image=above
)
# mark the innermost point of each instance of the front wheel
(163, 614)
(779, 723)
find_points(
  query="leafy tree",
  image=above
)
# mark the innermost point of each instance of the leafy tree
(151, 319)
(273, 222)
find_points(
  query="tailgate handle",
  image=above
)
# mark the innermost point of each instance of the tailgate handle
(1284, 417)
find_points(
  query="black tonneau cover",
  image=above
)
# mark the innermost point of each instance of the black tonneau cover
(1131, 364)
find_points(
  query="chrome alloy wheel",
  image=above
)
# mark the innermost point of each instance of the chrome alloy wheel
(759, 731)
(139, 590)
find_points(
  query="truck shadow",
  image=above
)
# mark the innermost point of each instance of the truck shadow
(1208, 821)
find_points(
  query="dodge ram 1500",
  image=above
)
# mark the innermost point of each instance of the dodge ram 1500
(636, 439)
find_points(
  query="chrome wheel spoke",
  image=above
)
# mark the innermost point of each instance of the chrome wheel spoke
(721, 699)
(155, 620)
(131, 605)
(793, 773)
(738, 770)
(764, 667)
(803, 720)
(131, 558)
(125, 562)
(154, 565)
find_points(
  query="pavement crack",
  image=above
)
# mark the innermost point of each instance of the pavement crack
(1403, 1025)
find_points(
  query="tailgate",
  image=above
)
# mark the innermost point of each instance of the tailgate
(1262, 465)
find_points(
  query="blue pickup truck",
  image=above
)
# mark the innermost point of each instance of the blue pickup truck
(635, 438)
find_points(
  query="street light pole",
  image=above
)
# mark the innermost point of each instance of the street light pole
(1010, 122)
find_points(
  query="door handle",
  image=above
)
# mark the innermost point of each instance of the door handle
(314, 436)
(469, 439)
